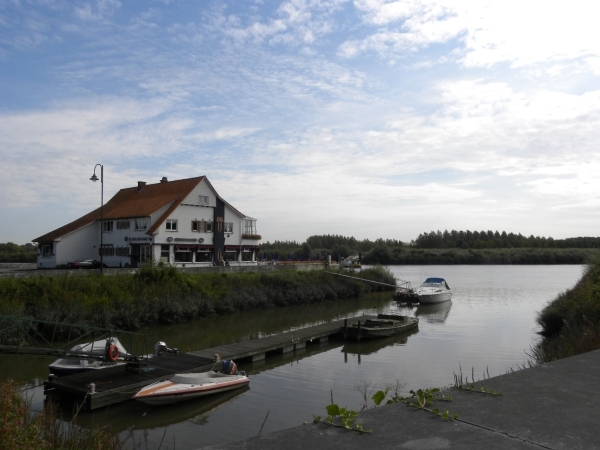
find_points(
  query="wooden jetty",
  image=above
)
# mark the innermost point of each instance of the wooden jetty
(99, 388)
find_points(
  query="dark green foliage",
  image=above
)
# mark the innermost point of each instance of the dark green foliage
(455, 247)
(23, 430)
(14, 253)
(483, 256)
(489, 239)
(571, 322)
(162, 295)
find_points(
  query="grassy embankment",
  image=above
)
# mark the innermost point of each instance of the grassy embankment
(420, 256)
(162, 295)
(571, 323)
(23, 430)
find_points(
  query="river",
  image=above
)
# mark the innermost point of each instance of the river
(487, 328)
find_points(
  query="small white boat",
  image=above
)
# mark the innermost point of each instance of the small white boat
(110, 350)
(434, 290)
(351, 262)
(185, 386)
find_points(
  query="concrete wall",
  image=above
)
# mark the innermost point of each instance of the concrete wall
(191, 270)
(15, 266)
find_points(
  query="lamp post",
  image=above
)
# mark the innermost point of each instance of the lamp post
(94, 178)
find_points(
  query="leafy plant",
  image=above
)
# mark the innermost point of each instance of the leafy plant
(462, 383)
(420, 399)
(340, 417)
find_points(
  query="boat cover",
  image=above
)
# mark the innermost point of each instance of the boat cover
(436, 280)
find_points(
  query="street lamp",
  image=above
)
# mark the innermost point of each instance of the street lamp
(94, 178)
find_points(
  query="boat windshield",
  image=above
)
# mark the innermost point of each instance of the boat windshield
(435, 282)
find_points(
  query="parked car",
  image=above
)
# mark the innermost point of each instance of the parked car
(85, 264)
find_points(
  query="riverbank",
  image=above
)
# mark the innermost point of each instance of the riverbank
(571, 323)
(552, 406)
(455, 256)
(164, 295)
(23, 430)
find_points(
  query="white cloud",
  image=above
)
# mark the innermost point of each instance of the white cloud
(520, 33)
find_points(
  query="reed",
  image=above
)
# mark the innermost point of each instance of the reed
(163, 295)
(21, 429)
(570, 324)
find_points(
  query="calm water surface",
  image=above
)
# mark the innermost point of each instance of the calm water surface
(487, 327)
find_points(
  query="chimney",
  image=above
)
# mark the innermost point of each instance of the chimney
(164, 180)
(141, 185)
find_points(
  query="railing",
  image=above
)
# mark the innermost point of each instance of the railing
(362, 279)
(24, 336)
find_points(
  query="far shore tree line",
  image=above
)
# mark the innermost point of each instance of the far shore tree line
(448, 247)
(435, 247)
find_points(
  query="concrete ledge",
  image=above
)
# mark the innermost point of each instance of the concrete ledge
(553, 406)
(204, 269)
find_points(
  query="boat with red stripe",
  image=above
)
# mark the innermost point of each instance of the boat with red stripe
(186, 386)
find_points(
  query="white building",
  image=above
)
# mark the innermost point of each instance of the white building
(183, 222)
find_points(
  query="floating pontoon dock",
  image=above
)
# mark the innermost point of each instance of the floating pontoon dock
(100, 388)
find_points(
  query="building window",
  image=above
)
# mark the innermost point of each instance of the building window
(123, 224)
(204, 256)
(231, 255)
(141, 223)
(164, 253)
(203, 199)
(183, 255)
(249, 226)
(107, 226)
(171, 225)
(106, 250)
(46, 251)
(122, 251)
(202, 226)
(228, 227)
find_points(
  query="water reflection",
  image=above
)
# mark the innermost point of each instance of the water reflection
(371, 346)
(134, 415)
(249, 325)
(434, 313)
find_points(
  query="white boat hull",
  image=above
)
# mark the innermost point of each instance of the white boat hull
(189, 386)
(428, 297)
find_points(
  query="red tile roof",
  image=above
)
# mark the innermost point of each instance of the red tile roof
(134, 202)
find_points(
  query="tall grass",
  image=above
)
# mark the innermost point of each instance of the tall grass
(23, 430)
(163, 295)
(570, 324)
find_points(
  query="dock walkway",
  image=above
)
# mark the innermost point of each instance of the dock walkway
(118, 384)
(257, 349)
(551, 406)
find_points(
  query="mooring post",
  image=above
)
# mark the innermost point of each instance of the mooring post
(345, 328)
(358, 334)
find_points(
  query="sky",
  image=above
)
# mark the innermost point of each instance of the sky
(365, 118)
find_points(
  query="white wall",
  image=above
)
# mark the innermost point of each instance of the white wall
(76, 245)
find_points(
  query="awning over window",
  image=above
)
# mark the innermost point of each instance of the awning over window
(185, 248)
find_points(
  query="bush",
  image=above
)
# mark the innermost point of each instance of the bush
(570, 324)
(162, 295)
(23, 430)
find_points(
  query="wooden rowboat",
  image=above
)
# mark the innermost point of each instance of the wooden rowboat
(383, 326)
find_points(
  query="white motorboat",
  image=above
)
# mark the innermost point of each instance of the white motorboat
(351, 262)
(186, 386)
(434, 290)
(101, 354)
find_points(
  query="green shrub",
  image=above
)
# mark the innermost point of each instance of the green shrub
(23, 430)
(570, 324)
